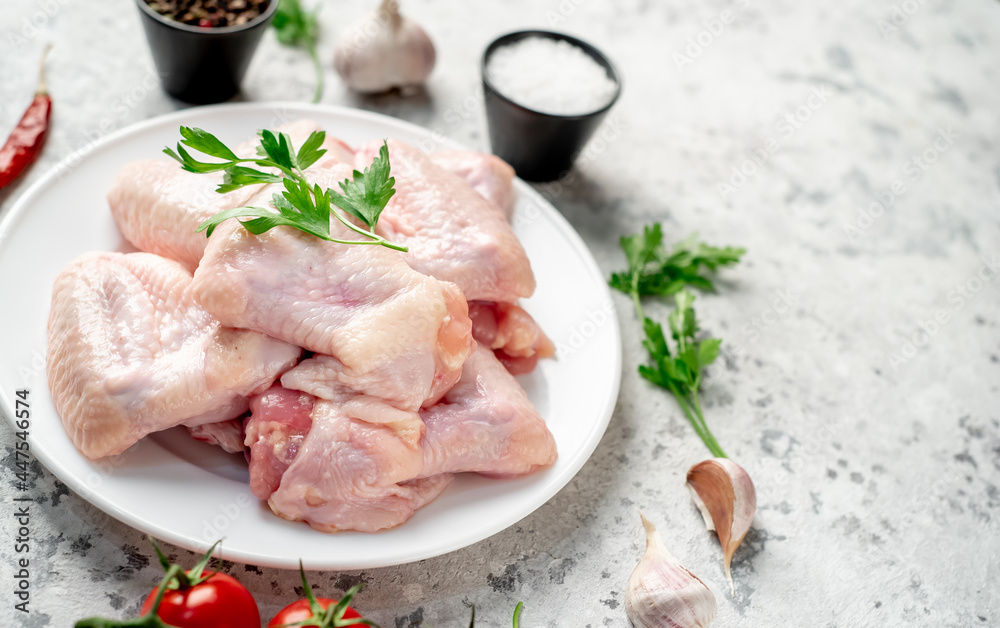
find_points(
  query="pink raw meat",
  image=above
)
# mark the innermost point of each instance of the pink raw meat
(157, 207)
(489, 175)
(486, 424)
(382, 321)
(365, 465)
(278, 423)
(227, 435)
(453, 233)
(514, 336)
(355, 469)
(130, 352)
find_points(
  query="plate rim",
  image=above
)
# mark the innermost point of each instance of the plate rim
(78, 484)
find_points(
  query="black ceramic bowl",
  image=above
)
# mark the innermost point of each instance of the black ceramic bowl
(200, 64)
(540, 146)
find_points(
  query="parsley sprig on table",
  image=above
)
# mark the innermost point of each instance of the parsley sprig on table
(295, 26)
(652, 271)
(304, 206)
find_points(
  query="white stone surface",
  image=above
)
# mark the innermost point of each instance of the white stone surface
(878, 498)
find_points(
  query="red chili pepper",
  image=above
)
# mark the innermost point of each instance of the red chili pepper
(25, 141)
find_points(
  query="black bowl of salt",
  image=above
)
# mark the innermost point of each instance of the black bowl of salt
(545, 94)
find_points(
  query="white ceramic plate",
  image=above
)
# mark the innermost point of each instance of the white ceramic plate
(189, 493)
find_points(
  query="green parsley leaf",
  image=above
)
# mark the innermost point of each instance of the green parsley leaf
(694, 253)
(683, 326)
(293, 25)
(653, 271)
(679, 370)
(311, 151)
(278, 149)
(642, 248)
(237, 177)
(367, 195)
(205, 142)
(655, 343)
(708, 350)
(191, 164)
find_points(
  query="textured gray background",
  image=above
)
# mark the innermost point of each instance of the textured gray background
(877, 478)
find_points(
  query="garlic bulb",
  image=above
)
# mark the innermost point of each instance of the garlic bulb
(661, 592)
(384, 50)
(725, 495)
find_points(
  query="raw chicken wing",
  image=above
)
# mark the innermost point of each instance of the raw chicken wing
(357, 463)
(486, 424)
(355, 469)
(158, 207)
(383, 322)
(131, 352)
(453, 233)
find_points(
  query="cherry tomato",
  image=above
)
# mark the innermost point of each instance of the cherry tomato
(297, 611)
(218, 602)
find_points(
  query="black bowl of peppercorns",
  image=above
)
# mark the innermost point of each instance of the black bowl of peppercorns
(202, 48)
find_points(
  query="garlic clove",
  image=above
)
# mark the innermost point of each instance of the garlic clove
(384, 50)
(662, 593)
(723, 492)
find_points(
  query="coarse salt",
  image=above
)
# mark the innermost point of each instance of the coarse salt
(551, 76)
